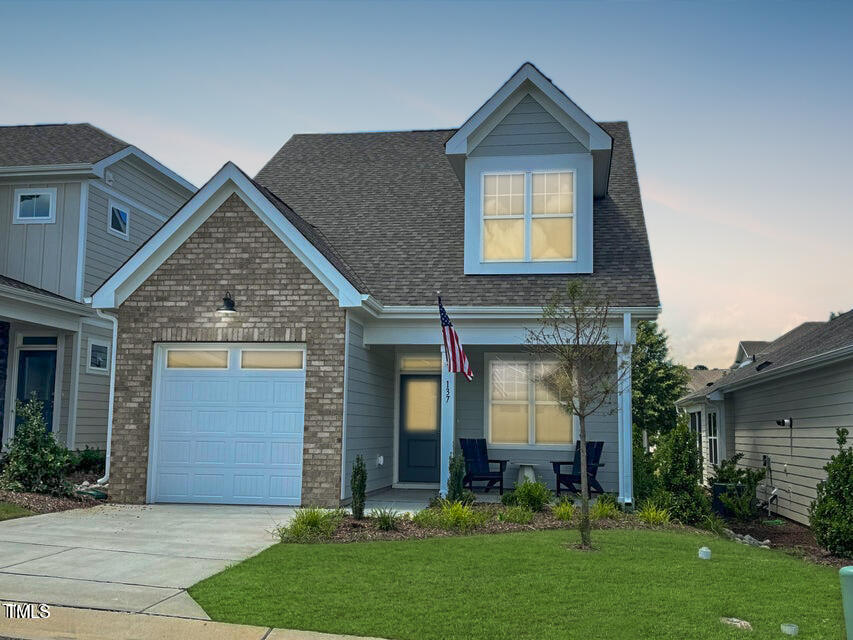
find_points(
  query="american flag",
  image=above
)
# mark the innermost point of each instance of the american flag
(457, 361)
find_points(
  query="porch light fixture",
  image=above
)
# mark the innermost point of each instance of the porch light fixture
(227, 306)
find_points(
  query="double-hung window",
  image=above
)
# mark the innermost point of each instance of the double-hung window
(696, 427)
(35, 206)
(528, 216)
(522, 409)
(713, 439)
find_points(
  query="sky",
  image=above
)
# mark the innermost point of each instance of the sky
(739, 114)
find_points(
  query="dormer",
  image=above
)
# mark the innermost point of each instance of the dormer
(531, 162)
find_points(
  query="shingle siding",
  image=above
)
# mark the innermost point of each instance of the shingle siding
(278, 300)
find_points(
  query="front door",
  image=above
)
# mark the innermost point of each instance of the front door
(37, 374)
(420, 422)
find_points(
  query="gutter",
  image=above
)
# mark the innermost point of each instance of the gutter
(114, 322)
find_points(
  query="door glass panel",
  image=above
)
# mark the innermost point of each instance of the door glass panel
(420, 363)
(272, 359)
(38, 340)
(196, 359)
(421, 402)
(36, 376)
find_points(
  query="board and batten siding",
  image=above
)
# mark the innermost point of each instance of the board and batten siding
(819, 401)
(42, 255)
(369, 410)
(93, 394)
(528, 129)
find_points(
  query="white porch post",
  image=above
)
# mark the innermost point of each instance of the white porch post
(448, 419)
(625, 417)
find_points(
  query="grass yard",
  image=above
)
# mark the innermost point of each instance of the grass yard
(640, 584)
(9, 511)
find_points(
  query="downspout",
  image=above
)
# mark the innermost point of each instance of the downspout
(114, 322)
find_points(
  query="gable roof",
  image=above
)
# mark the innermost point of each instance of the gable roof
(393, 207)
(807, 344)
(55, 144)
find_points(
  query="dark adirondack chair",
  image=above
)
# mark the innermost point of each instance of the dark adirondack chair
(478, 466)
(572, 479)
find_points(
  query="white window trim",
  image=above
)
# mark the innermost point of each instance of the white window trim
(95, 370)
(123, 207)
(41, 191)
(528, 216)
(713, 440)
(531, 403)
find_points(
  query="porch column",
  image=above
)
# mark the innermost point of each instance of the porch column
(624, 414)
(448, 419)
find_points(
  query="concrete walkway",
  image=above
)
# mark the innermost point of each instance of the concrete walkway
(72, 624)
(128, 558)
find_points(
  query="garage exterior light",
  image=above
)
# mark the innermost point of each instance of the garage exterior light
(227, 306)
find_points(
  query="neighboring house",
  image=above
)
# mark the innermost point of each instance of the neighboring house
(332, 257)
(746, 349)
(805, 375)
(75, 203)
(700, 378)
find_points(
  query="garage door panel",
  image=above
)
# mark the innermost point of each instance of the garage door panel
(229, 436)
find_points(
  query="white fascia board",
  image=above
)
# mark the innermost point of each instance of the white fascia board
(192, 215)
(29, 308)
(598, 138)
(100, 166)
(377, 310)
(48, 169)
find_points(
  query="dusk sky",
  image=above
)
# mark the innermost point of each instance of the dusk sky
(740, 114)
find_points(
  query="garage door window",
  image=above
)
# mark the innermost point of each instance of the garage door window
(196, 359)
(271, 359)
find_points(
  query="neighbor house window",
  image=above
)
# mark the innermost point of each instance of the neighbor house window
(99, 357)
(528, 217)
(696, 427)
(35, 206)
(522, 409)
(119, 219)
(713, 440)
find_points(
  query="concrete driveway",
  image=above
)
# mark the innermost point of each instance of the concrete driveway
(128, 558)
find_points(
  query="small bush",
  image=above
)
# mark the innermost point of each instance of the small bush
(680, 473)
(532, 495)
(604, 509)
(386, 519)
(831, 514)
(358, 483)
(564, 510)
(36, 462)
(516, 515)
(87, 461)
(450, 516)
(645, 480)
(715, 524)
(739, 499)
(509, 499)
(653, 514)
(455, 489)
(310, 524)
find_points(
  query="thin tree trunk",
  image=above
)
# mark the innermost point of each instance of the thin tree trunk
(586, 538)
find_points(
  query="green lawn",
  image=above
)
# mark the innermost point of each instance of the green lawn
(9, 511)
(640, 584)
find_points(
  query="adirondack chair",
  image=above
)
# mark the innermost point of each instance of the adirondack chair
(573, 477)
(478, 466)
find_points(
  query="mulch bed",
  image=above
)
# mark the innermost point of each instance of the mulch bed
(791, 537)
(41, 503)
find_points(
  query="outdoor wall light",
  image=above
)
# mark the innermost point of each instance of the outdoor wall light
(227, 306)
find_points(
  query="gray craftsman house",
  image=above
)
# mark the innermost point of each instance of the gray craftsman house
(276, 327)
(75, 203)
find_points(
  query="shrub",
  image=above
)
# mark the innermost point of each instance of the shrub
(509, 499)
(653, 514)
(310, 524)
(36, 462)
(358, 483)
(739, 497)
(455, 489)
(516, 515)
(386, 519)
(645, 480)
(468, 498)
(727, 472)
(87, 461)
(533, 495)
(564, 510)
(679, 473)
(451, 516)
(831, 514)
(603, 509)
(715, 524)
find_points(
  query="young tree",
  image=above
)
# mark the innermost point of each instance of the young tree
(657, 382)
(574, 333)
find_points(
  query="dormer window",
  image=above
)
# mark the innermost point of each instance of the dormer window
(529, 216)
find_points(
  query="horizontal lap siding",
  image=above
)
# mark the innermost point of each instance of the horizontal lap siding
(93, 394)
(370, 410)
(139, 182)
(819, 401)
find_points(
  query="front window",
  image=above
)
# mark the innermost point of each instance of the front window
(696, 427)
(713, 440)
(35, 206)
(522, 409)
(528, 217)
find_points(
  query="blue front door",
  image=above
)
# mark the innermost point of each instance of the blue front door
(37, 374)
(420, 428)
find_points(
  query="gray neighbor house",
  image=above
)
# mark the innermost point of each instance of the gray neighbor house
(75, 203)
(780, 405)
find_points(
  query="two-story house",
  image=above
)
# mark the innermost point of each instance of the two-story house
(75, 203)
(276, 327)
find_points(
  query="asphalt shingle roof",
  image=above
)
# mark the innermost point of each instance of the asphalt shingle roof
(392, 207)
(699, 378)
(23, 286)
(751, 347)
(51, 144)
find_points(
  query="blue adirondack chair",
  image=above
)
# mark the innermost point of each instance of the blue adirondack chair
(573, 477)
(478, 465)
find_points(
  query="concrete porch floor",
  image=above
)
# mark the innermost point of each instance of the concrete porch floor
(412, 500)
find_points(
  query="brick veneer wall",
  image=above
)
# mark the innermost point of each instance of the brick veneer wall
(278, 300)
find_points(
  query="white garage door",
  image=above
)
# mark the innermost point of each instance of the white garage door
(228, 423)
